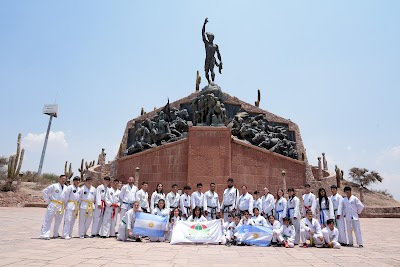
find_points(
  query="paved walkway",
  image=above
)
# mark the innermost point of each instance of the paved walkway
(19, 246)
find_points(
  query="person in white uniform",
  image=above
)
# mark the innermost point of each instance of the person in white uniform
(309, 201)
(107, 228)
(257, 200)
(352, 208)
(245, 201)
(293, 208)
(156, 196)
(280, 206)
(211, 203)
(229, 200)
(324, 207)
(174, 218)
(54, 196)
(71, 203)
(331, 234)
(197, 215)
(125, 228)
(275, 225)
(288, 233)
(197, 197)
(185, 203)
(337, 202)
(258, 219)
(101, 192)
(87, 195)
(225, 229)
(143, 197)
(246, 220)
(267, 204)
(127, 196)
(310, 229)
(162, 211)
(232, 231)
(172, 199)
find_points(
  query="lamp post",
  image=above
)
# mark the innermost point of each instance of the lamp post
(283, 173)
(137, 169)
(52, 111)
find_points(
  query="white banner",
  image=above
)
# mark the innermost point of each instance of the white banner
(197, 232)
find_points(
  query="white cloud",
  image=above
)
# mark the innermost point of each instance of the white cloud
(34, 142)
(388, 156)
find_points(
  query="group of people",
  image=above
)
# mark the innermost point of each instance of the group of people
(321, 221)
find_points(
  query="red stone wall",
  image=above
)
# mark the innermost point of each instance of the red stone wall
(209, 154)
(258, 167)
(166, 164)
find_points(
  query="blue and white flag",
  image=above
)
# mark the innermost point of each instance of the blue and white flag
(255, 235)
(149, 225)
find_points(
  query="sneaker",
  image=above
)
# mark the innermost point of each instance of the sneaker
(86, 236)
(92, 236)
(350, 245)
(138, 240)
(304, 245)
(103, 236)
(360, 246)
(67, 238)
(44, 238)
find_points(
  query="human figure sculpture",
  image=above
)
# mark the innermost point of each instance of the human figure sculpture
(211, 49)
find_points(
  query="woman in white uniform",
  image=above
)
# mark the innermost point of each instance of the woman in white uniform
(162, 211)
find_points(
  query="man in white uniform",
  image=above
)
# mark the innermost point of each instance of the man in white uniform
(245, 202)
(309, 201)
(143, 197)
(54, 196)
(293, 210)
(172, 199)
(87, 196)
(337, 202)
(127, 196)
(352, 208)
(231, 195)
(101, 192)
(267, 203)
(211, 203)
(310, 229)
(185, 203)
(71, 203)
(197, 197)
(107, 228)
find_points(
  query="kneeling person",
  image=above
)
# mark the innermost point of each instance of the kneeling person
(331, 235)
(310, 229)
(126, 225)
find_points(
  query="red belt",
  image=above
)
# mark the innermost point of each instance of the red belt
(307, 207)
(114, 206)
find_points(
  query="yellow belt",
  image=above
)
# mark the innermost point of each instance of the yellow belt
(76, 207)
(89, 208)
(59, 203)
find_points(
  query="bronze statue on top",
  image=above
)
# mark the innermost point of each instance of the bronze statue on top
(211, 49)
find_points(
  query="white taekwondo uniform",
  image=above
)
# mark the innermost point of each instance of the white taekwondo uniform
(288, 234)
(352, 208)
(163, 213)
(245, 202)
(309, 203)
(197, 200)
(267, 205)
(281, 209)
(337, 202)
(229, 201)
(127, 197)
(54, 196)
(325, 211)
(172, 200)
(127, 222)
(143, 198)
(293, 210)
(211, 204)
(331, 236)
(111, 213)
(101, 192)
(305, 227)
(185, 206)
(71, 202)
(155, 197)
(86, 199)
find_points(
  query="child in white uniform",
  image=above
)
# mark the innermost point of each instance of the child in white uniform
(174, 218)
(197, 215)
(324, 207)
(160, 210)
(288, 233)
(352, 208)
(275, 225)
(258, 219)
(280, 206)
(331, 234)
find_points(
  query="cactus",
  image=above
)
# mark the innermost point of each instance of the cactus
(14, 165)
(68, 173)
(87, 165)
(142, 112)
(120, 153)
(257, 103)
(198, 81)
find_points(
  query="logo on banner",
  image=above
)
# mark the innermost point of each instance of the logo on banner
(198, 229)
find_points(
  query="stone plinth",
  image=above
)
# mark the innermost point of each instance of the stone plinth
(210, 154)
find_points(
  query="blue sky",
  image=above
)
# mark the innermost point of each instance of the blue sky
(330, 66)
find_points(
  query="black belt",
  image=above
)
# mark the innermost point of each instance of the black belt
(171, 207)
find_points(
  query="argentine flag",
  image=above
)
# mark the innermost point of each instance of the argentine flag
(149, 225)
(255, 235)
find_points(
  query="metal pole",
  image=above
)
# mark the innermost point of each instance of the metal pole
(44, 146)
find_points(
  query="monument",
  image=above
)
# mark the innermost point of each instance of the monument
(210, 136)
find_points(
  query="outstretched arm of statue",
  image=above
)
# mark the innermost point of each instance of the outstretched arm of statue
(203, 32)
